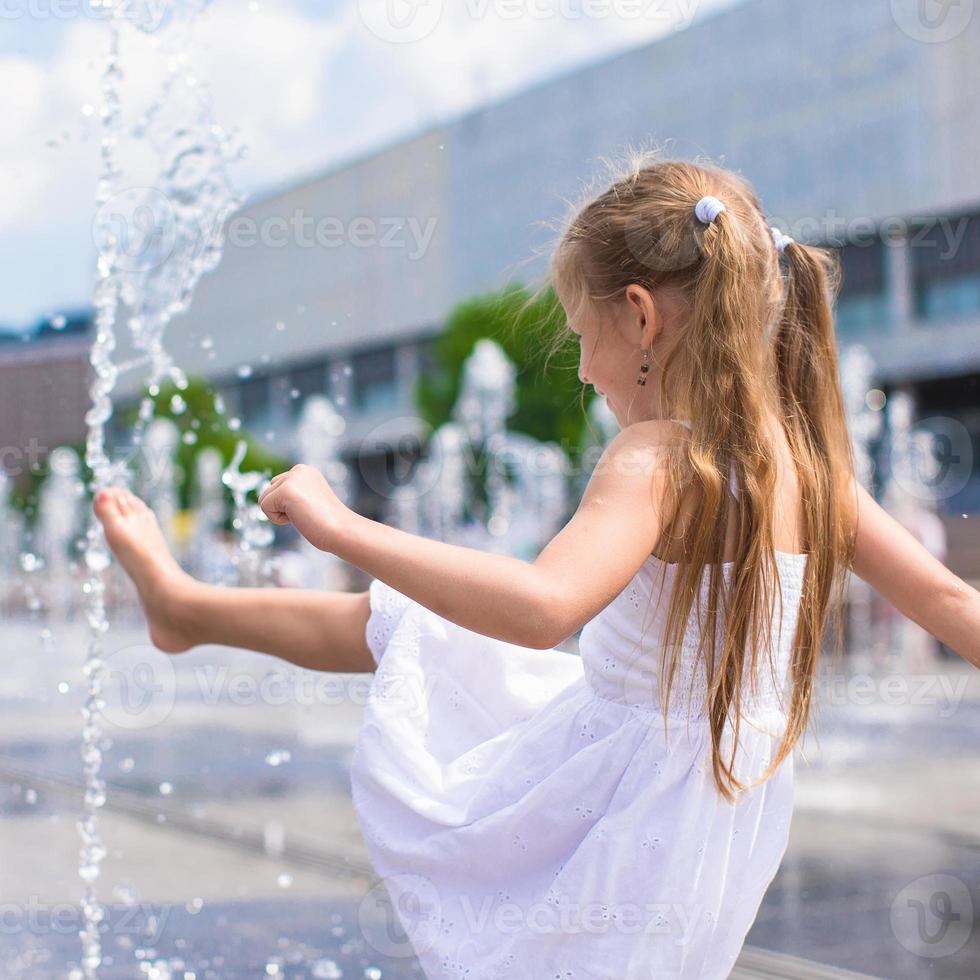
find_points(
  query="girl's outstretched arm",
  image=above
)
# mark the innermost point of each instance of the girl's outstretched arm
(918, 585)
(535, 604)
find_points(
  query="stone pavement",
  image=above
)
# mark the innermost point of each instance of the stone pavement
(234, 851)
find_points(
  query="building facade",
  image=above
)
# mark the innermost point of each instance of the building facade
(43, 391)
(857, 126)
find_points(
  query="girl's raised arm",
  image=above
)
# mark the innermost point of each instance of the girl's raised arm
(535, 604)
(919, 586)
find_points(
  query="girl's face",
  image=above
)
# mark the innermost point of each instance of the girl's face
(601, 359)
(611, 352)
(611, 364)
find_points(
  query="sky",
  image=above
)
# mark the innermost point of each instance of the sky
(307, 85)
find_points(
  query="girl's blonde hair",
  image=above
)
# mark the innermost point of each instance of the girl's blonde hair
(754, 340)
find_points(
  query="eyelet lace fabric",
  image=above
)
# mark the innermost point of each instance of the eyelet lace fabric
(637, 678)
(534, 814)
(387, 607)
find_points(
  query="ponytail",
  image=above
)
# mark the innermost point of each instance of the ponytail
(808, 380)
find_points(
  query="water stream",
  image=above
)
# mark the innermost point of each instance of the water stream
(158, 229)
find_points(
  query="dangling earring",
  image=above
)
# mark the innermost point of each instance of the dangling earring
(644, 367)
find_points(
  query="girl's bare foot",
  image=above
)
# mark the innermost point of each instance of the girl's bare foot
(133, 534)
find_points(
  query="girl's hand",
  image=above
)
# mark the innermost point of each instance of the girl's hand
(302, 497)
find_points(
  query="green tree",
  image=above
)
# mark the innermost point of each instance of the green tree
(201, 425)
(550, 399)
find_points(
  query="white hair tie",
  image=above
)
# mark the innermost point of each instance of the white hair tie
(780, 240)
(708, 208)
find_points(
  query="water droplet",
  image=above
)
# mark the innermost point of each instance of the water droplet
(63, 687)
(97, 560)
(30, 562)
(277, 757)
(166, 788)
(284, 880)
(244, 371)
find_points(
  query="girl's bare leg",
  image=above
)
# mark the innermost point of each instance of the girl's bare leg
(318, 630)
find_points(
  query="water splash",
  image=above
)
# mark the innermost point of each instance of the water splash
(255, 533)
(155, 239)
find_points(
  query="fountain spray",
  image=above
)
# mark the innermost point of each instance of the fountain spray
(147, 271)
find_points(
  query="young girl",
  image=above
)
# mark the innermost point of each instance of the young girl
(618, 815)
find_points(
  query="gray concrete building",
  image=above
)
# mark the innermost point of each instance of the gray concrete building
(43, 391)
(858, 124)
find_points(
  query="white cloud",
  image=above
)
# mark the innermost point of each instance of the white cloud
(303, 91)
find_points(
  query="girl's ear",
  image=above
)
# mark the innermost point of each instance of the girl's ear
(645, 323)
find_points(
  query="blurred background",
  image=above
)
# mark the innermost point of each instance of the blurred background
(234, 237)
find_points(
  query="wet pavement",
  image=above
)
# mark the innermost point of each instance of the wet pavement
(234, 850)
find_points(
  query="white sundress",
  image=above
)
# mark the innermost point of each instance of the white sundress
(529, 815)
